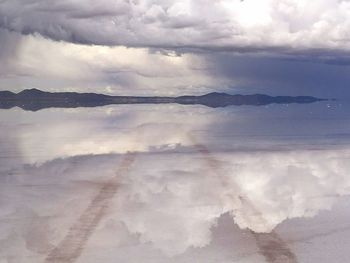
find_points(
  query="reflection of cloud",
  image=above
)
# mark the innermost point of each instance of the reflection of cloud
(107, 130)
(174, 194)
(144, 128)
(173, 204)
(279, 185)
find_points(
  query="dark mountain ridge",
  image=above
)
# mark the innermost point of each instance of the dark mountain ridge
(34, 99)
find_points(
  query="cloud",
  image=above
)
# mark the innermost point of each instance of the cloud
(142, 71)
(270, 25)
(176, 47)
(298, 75)
(118, 70)
(9, 43)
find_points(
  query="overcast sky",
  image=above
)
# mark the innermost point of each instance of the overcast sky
(295, 47)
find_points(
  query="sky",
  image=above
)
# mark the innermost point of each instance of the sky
(289, 161)
(153, 47)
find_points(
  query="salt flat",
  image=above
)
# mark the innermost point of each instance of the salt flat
(175, 184)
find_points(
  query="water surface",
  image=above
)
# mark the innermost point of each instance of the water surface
(175, 183)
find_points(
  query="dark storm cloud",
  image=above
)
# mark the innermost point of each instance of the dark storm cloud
(326, 78)
(264, 46)
(8, 43)
(268, 25)
(8, 49)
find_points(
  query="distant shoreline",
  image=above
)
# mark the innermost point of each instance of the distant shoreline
(34, 100)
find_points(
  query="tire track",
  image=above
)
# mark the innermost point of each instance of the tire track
(270, 245)
(274, 248)
(73, 244)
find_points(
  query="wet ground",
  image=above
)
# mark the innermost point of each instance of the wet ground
(172, 183)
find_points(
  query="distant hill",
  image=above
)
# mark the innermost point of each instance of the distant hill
(34, 100)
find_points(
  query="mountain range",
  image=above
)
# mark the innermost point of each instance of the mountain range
(34, 100)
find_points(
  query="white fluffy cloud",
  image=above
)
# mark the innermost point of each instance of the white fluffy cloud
(118, 70)
(221, 24)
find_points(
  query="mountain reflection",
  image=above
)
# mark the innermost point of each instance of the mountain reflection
(34, 100)
(162, 179)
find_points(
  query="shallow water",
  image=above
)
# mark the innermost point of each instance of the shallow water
(172, 183)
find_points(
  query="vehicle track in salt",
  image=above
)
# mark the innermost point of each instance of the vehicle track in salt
(71, 247)
(270, 245)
